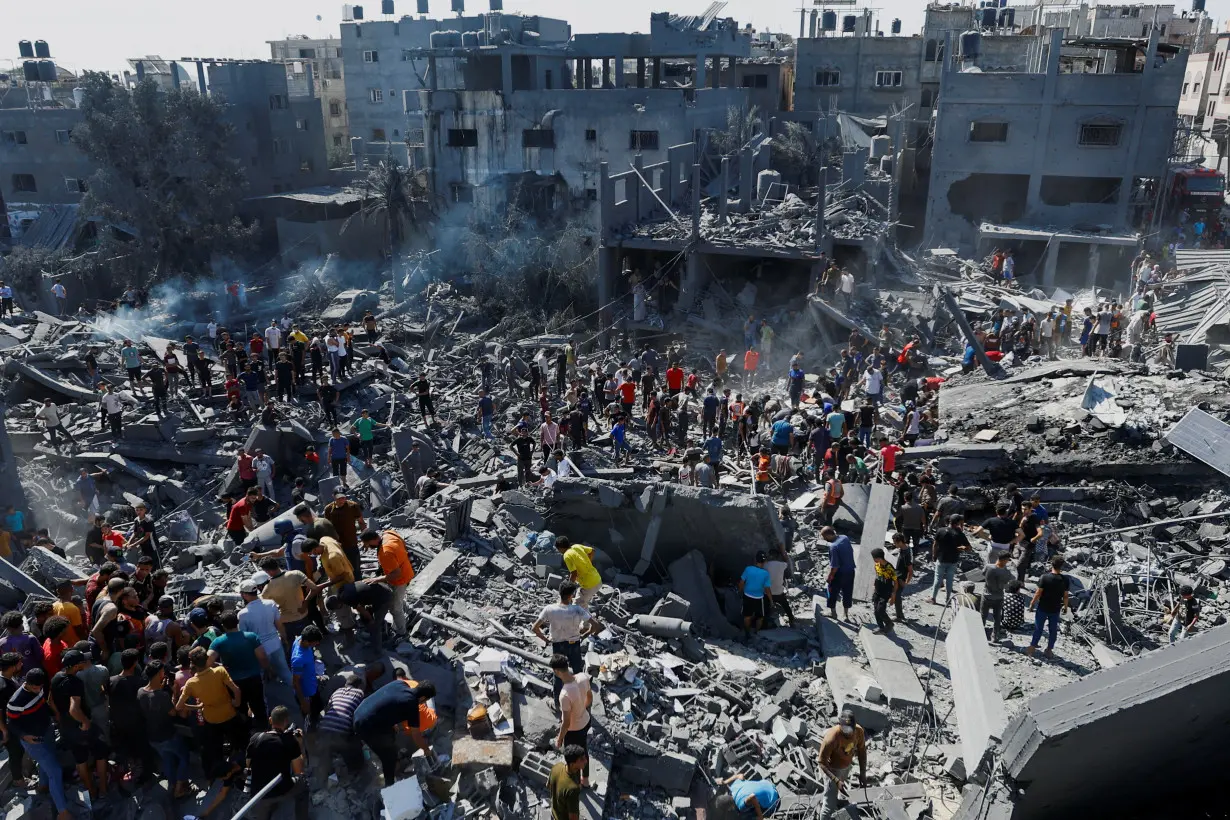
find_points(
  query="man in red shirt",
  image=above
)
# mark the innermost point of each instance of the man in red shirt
(247, 472)
(888, 456)
(627, 396)
(674, 379)
(751, 360)
(239, 520)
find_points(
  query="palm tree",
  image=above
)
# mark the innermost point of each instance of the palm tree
(400, 200)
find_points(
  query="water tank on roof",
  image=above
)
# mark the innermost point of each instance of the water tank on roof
(31, 71)
(469, 39)
(828, 21)
(46, 71)
(78, 96)
(886, 164)
(1197, 5)
(986, 17)
(422, 6)
(42, 50)
(896, 27)
(445, 39)
(25, 48)
(848, 23)
(459, 6)
(1007, 18)
(971, 45)
(386, 6)
(880, 146)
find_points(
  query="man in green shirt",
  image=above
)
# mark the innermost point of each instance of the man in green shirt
(366, 425)
(564, 784)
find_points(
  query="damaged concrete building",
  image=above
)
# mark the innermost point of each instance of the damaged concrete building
(1054, 164)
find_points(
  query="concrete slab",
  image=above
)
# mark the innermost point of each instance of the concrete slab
(23, 582)
(1069, 744)
(978, 703)
(843, 675)
(836, 639)
(427, 577)
(875, 527)
(690, 580)
(892, 670)
(852, 513)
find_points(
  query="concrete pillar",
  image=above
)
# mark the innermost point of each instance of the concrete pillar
(724, 197)
(506, 78)
(640, 72)
(589, 73)
(747, 179)
(702, 71)
(691, 284)
(716, 82)
(1095, 259)
(579, 81)
(656, 79)
(696, 202)
(1052, 263)
(433, 78)
(619, 72)
(821, 204)
(606, 290)
(606, 71)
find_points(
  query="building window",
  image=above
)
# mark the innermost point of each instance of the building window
(301, 125)
(281, 145)
(1185, 85)
(1211, 109)
(755, 80)
(928, 97)
(591, 194)
(827, 77)
(307, 54)
(538, 138)
(337, 140)
(276, 102)
(1196, 88)
(335, 109)
(74, 185)
(24, 182)
(463, 138)
(14, 137)
(375, 95)
(305, 166)
(933, 51)
(988, 132)
(461, 192)
(591, 135)
(1101, 135)
(643, 141)
(415, 136)
(64, 136)
(888, 79)
(378, 135)
(371, 56)
(332, 70)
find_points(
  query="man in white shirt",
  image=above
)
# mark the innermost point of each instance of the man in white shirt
(113, 407)
(263, 464)
(548, 433)
(1009, 268)
(273, 341)
(847, 288)
(265, 619)
(50, 417)
(212, 330)
(873, 384)
(61, 294)
(6, 300)
(567, 624)
(1046, 335)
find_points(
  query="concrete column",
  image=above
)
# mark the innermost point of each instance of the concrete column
(1095, 259)
(716, 81)
(1052, 263)
(606, 290)
(821, 204)
(691, 284)
(656, 79)
(731, 65)
(606, 71)
(589, 73)
(433, 78)
(506, 78)
(702, 71)
(640, 72)
(696, 202)
(1033, 197)
(579, 81)
(724, 197)
(747, 179)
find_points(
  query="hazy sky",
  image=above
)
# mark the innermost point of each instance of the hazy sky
(103, 33)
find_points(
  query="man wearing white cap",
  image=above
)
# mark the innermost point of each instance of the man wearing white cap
(265, 619)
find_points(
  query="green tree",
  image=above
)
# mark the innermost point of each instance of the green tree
(742, 126)
(166, 176)
(398, 201)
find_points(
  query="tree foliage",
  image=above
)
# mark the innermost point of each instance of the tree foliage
(166, 175)
(742, 126)
(398, 200)
(796, 155)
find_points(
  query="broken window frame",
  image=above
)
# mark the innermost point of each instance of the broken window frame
(462, 138)
(987, 132)
(755, 81)
(25, 184)
(894, 76)
(639, 140)
(1089, 128)
(371, 56)
(375, 95)
(542, 138)
(828, 78)
(461, 192)
(74, 185)
(379, 135)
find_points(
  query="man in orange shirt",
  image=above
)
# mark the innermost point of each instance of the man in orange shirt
(627, 396)
(751, 359)
(396, 567)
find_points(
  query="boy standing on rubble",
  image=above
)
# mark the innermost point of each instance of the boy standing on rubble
(837, 752)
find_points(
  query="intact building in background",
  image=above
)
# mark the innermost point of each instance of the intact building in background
(320, 61)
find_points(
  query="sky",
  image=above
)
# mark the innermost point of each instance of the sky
(102, 34)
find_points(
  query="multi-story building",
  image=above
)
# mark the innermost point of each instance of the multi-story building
(1054, 163)
(321, 60)
(1190, 29)
(386, 68)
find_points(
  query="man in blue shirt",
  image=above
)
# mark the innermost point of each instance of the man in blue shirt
(747, 798)
(486, 412)
(709, 413)
(303, 673)
(841, 571)
(713, 446)
(755, 584)
(620, 439)
(339, 454)
(783, 437)
(245, 660)
(253, 387)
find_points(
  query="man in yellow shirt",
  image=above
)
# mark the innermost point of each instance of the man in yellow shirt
(339, 571)
(65, 608)
(578, 558)
(211, 690)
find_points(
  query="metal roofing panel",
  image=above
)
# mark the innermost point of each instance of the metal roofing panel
(1204, 438)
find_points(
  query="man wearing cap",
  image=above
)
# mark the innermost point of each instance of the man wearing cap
(265, 620)
(162, 626)
(28, 715)
(291, 591)
(67, 702)
(755, 585)
(837, 752)
(398, 571)
(346, 516)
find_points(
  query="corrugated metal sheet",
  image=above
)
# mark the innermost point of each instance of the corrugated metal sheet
(1204, 438)
(1186, 259)
(55, 228)
(1199, 301)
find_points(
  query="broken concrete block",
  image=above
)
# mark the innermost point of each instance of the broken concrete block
(671, 606)
(536, 768)
(769, 678)
(783, 640)
(767, 714)
(736, 664)
(869, 690)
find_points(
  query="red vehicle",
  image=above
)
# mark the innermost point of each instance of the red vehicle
(1197, 189)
